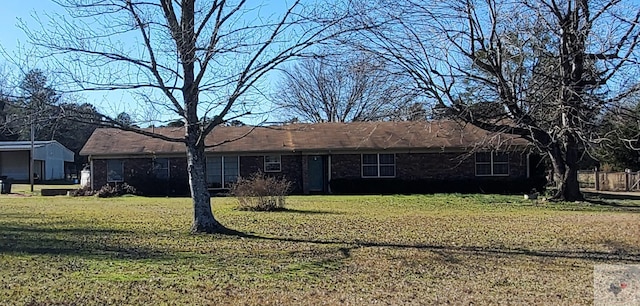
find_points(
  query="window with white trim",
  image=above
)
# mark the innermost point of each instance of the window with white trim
(272, 163)
(378, 165)
(492, 164)
(161, 168)
(222, 171)
(115, 170)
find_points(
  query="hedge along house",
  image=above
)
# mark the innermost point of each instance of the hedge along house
(50, 160)
(362, 157)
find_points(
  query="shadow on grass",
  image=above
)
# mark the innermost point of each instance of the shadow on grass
(611, 195)
(628, 207)
(99, 243)
(5, 215)
(66, 231)
(84, 242)
(294, 211)
(307, 212)
(598, 256)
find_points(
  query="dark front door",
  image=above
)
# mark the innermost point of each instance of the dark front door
(316, 173)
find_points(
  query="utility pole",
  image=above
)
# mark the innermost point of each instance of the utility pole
(31, 164)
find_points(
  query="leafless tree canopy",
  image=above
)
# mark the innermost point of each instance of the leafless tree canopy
(201, 61)
(548, 67)
(343, 88)
(187, 58)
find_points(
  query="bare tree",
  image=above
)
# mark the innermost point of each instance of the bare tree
(621, 127)
(4, 100)
(341, 88)
(196, 59)
(31, 105)
(539, 69)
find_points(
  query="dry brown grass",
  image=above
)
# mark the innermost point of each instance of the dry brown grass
(324, 250)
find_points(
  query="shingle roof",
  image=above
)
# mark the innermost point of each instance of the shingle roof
(319, 137)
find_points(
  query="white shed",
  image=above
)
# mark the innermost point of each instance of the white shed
(49, 159)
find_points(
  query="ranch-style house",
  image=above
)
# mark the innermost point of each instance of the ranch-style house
(360, 157)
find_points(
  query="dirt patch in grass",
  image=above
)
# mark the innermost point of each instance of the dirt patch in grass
(434, 249)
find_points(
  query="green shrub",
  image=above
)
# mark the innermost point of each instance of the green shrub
(260, 192)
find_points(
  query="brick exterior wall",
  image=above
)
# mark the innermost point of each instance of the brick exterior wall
(178, 169)
(434, 166)
(292, 170)
(409, 166)
(290, 166)
(99, 173)
(346, 166)
(137, 170)
(449, 166)
(250, 165)
(412, 166)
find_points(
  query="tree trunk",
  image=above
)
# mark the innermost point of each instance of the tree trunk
(203, 220)
(565, 173)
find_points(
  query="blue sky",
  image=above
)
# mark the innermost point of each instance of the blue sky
(13, 42)
(10, 13)
(14, 11)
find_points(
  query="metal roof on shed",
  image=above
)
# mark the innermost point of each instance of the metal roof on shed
(22, 145)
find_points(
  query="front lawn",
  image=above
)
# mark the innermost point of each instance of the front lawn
(25, 189)
(432, 249)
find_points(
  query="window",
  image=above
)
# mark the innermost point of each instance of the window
(115, 170)
(378, 165)
(222, 171)
(272, 163)
(492, 164)
(161, 168)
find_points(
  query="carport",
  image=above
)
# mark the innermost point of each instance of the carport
(49, 158)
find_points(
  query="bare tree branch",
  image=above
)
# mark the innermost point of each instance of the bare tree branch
(218, 49)
(539, 69)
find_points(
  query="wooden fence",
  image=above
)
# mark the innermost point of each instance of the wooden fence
(610, 181)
